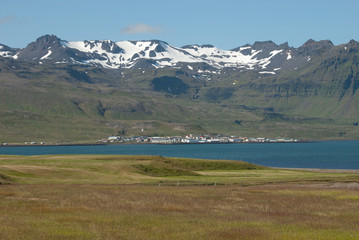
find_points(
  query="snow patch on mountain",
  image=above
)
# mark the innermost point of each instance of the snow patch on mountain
(166, 55)
(222, 58)
(289, 56)
(46, 55)
(266, 72)
(5, 51)
(131, 51)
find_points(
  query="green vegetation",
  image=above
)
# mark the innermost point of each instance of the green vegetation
(153, 197)
(79, 104)
(114, 169)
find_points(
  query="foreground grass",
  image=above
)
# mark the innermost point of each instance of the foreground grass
(137, 197)
(190, 212)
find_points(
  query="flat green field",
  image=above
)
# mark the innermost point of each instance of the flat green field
(153, 197)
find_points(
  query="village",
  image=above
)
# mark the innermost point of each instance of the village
(188, 139)
(193, 139)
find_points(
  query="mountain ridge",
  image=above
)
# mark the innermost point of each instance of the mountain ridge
(58, 90)
(126, 54)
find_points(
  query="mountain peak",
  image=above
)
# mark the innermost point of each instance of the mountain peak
(284, 45)
(47, 40)
(41, 48)
(353, 43)
(321, 42)
(259, 45)
(152, 41)
(353, 46)
(207, 46)
(190, 46)
(309, 41)
(312, 47)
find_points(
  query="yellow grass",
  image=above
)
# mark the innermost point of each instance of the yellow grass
(107, 197)
(190, 212)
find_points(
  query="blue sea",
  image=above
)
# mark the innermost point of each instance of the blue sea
(324, 155)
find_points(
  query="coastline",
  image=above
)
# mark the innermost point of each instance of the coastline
(147, 143)
(325, 156)
(321, 170)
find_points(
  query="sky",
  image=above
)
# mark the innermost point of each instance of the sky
(225, 24)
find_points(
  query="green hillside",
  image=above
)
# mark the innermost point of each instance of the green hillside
(75, 103)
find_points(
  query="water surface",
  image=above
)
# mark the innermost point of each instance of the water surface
(326, 155)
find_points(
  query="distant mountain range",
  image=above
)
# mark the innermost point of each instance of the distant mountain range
(126, 86)
(158, 54)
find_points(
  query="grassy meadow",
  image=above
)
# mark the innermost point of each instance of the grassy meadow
(153, 197)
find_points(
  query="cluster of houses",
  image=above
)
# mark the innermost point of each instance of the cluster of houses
(25, 143)
(192, 138)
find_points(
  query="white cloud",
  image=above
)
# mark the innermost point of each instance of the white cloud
(141, 28)
(6, 20)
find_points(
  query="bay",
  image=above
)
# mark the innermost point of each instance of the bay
(323, 155)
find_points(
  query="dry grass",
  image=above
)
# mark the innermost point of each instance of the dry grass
(108, 197)
(152, 212)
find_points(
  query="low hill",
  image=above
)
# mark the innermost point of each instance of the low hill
(157, 170)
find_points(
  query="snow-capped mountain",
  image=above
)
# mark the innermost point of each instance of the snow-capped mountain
(151, 53)
(266, 57)
(132, 84)
(6, 51)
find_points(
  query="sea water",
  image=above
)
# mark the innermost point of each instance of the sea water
(325, 155)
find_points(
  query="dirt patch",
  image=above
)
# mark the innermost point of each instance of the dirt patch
(180, 128)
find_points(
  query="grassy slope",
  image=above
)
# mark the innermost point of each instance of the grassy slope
(44, 103)
(148, 170)
(79, 197)
(52, 108)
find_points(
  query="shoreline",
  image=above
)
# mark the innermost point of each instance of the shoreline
(7, 144)
(86, 150)
(321, 170)
(145, 143)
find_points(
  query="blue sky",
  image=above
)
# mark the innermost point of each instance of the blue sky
(225, 23)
